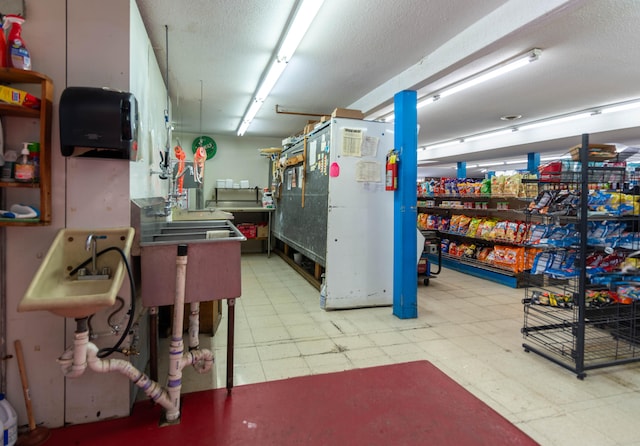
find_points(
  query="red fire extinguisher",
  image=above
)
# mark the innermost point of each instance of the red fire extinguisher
(391, 170)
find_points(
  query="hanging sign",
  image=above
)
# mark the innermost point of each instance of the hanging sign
(207, 143)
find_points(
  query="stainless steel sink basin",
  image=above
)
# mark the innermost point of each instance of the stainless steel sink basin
(177, 231)
(213, 261)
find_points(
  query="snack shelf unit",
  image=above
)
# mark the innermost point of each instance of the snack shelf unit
(31, 80)
(512, 210)
(575, 312)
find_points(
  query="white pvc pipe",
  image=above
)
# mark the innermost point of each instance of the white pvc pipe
(74, 361)
(152, 389)
(194, 326)
(176, 346)
(202, 360)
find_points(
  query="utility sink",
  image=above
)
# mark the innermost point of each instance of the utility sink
(57, 287)
(213, 261)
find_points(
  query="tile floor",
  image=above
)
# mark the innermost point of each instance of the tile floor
(468, 327)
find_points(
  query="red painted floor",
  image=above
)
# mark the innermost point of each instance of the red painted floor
(403, 404)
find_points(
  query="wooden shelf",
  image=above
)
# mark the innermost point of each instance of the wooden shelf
(9, 76)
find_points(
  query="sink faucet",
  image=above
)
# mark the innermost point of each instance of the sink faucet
(91, 245)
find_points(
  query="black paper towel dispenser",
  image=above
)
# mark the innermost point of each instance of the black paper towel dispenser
(98, 122)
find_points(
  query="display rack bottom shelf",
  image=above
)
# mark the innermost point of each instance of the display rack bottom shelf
(504, 278)
(605, 345)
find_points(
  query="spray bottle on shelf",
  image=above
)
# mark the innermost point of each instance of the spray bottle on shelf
(3, 48)
(18, 54)
(24, 172)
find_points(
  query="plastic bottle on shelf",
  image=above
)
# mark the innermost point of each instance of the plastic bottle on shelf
(18, 54)
(24, 166)
(3, 48)
(9, 421)
(34, 157)
(10, 157)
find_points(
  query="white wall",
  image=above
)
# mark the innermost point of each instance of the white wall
(236, 158)
(106, 46)
(147, 84)
(41, 334)
(75, 43)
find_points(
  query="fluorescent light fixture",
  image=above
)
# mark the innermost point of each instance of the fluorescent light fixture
(304, 16)
(621, 107)
(496, 163)
(443, 144)
(488, 135)
(274, 73)
(492, 73)
(516, 162)
(553, 121)
(248, 117)
(585, 113)
(555, 157)
(426, 101)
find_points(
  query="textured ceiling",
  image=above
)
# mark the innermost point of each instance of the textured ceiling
(360, 52)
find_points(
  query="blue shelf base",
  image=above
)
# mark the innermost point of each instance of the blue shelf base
(504, 279)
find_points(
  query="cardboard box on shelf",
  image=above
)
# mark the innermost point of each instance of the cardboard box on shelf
(249, 230)
(310, 127)
(596, 152)
(347, 113)
(262, 230)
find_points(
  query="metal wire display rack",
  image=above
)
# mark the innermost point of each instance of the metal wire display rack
(573, 314)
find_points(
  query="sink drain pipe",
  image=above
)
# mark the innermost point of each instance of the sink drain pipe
(75, 360)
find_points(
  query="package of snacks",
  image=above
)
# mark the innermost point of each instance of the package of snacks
(463, 224)
(499, 231)
(473, 227)
(454, 223)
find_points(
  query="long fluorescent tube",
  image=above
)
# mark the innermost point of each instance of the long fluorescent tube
(491, 73)
(304, 16)
(488, 135)
(553, 121)
(443, 144)
(593, 111)
(248, 117)
(426, 101)
(621, 107)
(269, 81)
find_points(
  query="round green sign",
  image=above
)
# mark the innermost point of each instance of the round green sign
(208, 143)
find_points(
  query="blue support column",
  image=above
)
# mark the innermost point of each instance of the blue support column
(462, 169)
(533, 161)
(405, 237)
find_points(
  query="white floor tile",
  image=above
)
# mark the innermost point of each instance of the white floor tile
(466, 326)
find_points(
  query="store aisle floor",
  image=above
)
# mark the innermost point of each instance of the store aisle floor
(466, 326)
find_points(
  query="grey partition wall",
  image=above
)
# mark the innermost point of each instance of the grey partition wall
(305, 228)
(346, 223)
